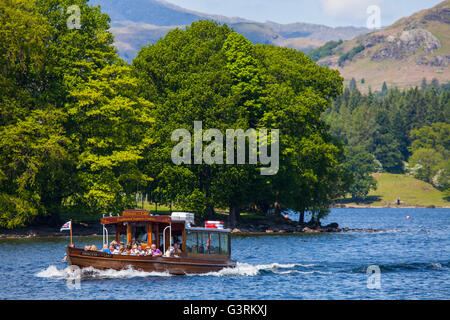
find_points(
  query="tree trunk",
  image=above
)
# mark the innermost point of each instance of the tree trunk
(301, 218)
(277, 208)
(234, 216)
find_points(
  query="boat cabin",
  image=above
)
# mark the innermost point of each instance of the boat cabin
(211, 241)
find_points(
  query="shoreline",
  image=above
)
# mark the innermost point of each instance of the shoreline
(244, 229)
(256, 227)
(368, 206)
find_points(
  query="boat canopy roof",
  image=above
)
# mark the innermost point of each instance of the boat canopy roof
(207, 229)
(138, 215)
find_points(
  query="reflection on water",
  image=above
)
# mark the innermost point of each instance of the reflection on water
(412, 255)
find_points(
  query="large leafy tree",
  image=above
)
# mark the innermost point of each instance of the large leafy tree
(72, 127)
(210, 73)
(32, 144)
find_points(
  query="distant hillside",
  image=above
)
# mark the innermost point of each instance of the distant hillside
(139, 22)
(401, 55)
(410, 191)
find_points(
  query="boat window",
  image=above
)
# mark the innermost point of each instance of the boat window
(206, 243)
(191, 242)
(202, 239)
(140, 233)
(213, 243)
(224, 244)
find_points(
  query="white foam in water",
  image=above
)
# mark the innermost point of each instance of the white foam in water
(245, 269)
(436, 265)
(52, 272)
(241, 269)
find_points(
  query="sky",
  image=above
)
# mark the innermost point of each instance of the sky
(328, 12)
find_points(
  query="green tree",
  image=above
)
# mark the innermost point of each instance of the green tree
(361, 164)
(210, 73)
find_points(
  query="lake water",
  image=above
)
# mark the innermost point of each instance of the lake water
(413, 256)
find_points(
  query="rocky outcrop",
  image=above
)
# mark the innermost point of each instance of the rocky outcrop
(434, 61)
(439, 15)
(406, 44)
(372, 40)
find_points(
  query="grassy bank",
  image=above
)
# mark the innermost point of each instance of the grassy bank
(410, 191)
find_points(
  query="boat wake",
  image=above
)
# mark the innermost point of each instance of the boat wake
(52, 272)
(246, 269)
(241, 269)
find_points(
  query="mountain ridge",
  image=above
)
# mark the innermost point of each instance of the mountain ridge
(411, 49)
(139, 22)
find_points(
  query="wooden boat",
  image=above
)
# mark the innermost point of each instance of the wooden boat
(202, 249)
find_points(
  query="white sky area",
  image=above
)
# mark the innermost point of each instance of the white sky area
(328, 12)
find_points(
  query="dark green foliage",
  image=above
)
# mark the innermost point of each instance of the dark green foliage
(72, 128)
(361, 163)
(210, 73)
(323, 51)
(395, 127)
(350, 54)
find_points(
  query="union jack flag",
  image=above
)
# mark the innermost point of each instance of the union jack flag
(66, 226)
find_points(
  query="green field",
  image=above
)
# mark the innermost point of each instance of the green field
(410, 191)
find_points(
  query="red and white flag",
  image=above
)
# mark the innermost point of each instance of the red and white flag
(66, 226)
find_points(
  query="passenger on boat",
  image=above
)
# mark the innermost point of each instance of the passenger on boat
(105, 248)
(169, 252)
(140, 251)
(127, 250)
(148, 251)
(93, 247)
(156, 252)
(115, 249)
(177, 247)
(134, 250)
(134, 242)
(87, 247)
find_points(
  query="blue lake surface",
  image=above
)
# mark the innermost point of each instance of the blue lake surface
(413, 256)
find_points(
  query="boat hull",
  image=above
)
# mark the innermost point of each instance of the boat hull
(173, 265)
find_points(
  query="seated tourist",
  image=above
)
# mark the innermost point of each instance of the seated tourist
(87, 247)
(134, 242)
(127, 250)
(140, 251)
(122, 250)
(155, 252)
(134, 250)
(114, 249)
(93, 247)
(177, 247)
(148, 251)
(169, 252)
(106, 249)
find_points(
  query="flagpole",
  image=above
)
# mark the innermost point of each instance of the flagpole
(70, 232)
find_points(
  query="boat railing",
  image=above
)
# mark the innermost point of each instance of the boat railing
(164, 237)
(105, 232)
